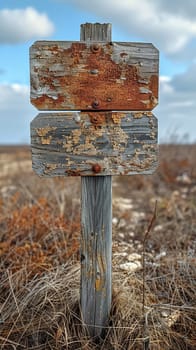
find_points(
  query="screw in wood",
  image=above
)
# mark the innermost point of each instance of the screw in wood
(96, 168)
(95, 48)
(95, 104)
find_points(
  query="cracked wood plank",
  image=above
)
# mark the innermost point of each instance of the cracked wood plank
(96, 223)
(93, 75)
(96, 249)
(96, 143)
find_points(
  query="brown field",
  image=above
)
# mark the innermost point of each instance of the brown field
(39, 257)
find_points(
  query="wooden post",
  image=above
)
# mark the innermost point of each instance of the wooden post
(96, 76)
(96, 223)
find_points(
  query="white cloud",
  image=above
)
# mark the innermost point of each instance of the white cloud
(165, 83)
(16, 113)
(20, 25)
(11, 95)
(185, 8)
(177, 105)
(186, 82)
(169, 26)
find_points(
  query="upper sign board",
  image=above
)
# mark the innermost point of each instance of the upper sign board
(94, 76)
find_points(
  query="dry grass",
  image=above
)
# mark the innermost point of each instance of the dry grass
(44, 313)
(40, 273)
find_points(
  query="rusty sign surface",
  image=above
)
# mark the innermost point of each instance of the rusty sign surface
(93, 75)
(97, 143)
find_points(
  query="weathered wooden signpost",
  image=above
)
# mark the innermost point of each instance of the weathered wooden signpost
(94, 77)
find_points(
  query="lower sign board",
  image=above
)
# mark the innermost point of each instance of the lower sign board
(97, 143)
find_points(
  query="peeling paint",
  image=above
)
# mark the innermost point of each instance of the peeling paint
(46, 141)
(49, 167)
(138, 115)
(117, 117)
(145, 90)
(72, 75)
(44, 131)
(119, 143)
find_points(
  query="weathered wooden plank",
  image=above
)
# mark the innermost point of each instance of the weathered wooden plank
(96, 249)
(96, 31)
(93, 75)
(96, 215)
(96, 143)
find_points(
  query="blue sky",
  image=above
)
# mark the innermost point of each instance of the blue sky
(169, 25)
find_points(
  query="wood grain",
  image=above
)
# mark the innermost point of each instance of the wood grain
(96, 214)
(96, 246)
(93, 75)
(96, 143)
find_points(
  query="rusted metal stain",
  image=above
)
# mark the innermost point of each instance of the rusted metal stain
(99, 76)
(96, 168)
(99, 143)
